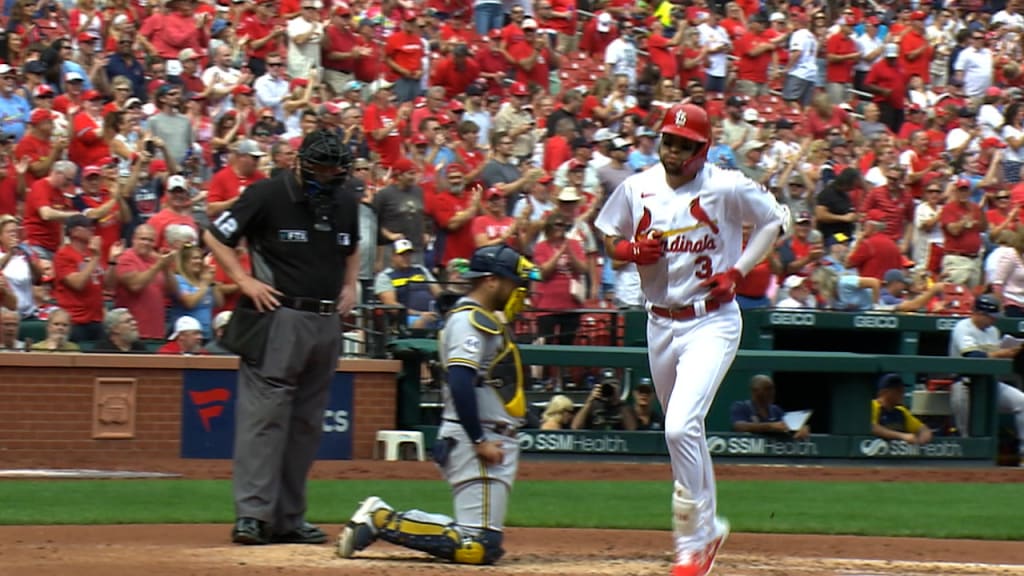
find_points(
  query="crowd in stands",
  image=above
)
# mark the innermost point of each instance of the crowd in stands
(894, 133)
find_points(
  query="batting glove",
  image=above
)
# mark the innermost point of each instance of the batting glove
(643, 252)
(722, 286)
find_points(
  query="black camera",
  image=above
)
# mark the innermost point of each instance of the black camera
(150, 148)
(607, 390)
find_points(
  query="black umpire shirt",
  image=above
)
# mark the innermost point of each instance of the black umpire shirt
(288, 251)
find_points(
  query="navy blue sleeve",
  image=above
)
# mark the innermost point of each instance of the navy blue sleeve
(462, 384)
(976, 354)
(740, 412)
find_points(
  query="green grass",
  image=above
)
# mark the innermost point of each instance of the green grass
(938, 510)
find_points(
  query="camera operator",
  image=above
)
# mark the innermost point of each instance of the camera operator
(604, 409)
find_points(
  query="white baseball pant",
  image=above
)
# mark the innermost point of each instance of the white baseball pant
(689, 360)
(1009, 400)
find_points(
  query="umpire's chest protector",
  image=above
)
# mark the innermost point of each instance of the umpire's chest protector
(504, 372)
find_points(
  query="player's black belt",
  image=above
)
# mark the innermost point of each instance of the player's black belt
(321, 307)
(963, 254)
(687, 312)
(501, 428)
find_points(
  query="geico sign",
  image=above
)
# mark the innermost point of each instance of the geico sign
(875, 322)
(946, 323)
(791, 319)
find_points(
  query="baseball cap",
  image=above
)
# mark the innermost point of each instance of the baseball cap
(604, 22)
(750, 146)
(221, 319)
(581, 142)
(993, 142)
(177, 182)
(157, 166)
(646, 132)
(188, 54)
(352, 85)
(620, 144)
(643, 386)
(751, 115)
(890, 380)
(529, 23)
(71, 77)
(403, 165)
(42, 91)
(249, 148)
(735, 101)
(965, 112)
(803, 216)
(987, 304)
(569, 194)
(784, 124)
(896, 275)
(519, 89)
(575, 164)
(794, 280)
(40, 115)
(78, 221)
(455, 168)
(185, 324)
(501, 260)
(91, 170)
(603, 135)
(403, 245)
(5, 69)
(380, 84)
(918, 15)
(91, 95)
(35, 67)
(242, 89)
(963, 183)
(493, 192)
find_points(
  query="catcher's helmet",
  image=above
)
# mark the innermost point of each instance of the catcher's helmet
(987, 304)
(324, 148)
(691, 122)
(501, 260)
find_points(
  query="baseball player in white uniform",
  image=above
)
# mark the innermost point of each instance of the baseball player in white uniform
(681, 223)
(978, 337)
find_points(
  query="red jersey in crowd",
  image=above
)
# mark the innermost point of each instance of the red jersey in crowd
(493, 227)
(226, 184)
(148, 304)
(890, 77)
(339, 40)
(751, 67)
(34, 149)
(840, 44)
(454, 78)
(368, 68)
(594, 42)
(899, 209)
(108, 228)
(171, 33)
(919, 63)
(968, 241)
(84, 305)
(8, 189)
(458, 243)
(662, 55)
(39, 232)
(255, 28)
(390, 146)
(405, 50)
(875, 255)
(87, 144)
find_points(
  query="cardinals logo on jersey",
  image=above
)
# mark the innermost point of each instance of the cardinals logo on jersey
(698, 213)
(644, 225)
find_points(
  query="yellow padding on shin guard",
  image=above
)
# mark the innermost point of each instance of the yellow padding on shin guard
(413, 528)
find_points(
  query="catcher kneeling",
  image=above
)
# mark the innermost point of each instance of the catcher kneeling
(484, 405)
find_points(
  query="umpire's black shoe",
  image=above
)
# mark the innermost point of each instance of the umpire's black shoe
(251, 532)
(305, 534)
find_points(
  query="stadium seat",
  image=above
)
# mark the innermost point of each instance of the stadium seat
(32, 329)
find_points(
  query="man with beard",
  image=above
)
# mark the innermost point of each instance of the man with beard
(399, 209)
(453, 211)
(122, 334)
(681, 223)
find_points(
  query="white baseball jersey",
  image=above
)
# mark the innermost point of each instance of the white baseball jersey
(702, 226)
(967, 337)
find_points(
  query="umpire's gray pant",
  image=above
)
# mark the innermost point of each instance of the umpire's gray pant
(279, 417)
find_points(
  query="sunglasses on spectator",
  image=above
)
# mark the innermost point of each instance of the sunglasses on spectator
(1002, 197)
(364, 169)
(936, 190)
(275, 64)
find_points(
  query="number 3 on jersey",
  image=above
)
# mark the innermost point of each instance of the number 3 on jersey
(703, 266)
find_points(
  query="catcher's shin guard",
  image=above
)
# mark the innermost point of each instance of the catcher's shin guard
(684, 511)
(421, 531)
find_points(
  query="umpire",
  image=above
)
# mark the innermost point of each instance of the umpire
(302, 230)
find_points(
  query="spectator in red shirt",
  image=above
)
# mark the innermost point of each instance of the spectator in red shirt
(229, 182)
(888, 82)
(80, 278)
(39, 146)
(404, 52)
(556, 148)
(87, 143)
(453, 210)
(754, 50)
(875, 252)
(167, 33)
(46, 208)
(341, 49)
(533, 58)
(144, 278)
(369, 67)
(895, 205)
(263, 33)
(108, 210)
(597, 34)
(494, 226)
(70, 102)
(915, 49)
(842, 54)
(962, 225)
(455, 72)
(177, 210)
(186, 340)
(382, 124)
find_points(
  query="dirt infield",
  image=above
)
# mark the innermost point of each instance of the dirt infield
(178, 550)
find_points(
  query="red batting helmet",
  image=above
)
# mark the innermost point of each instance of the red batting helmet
(691, 122)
